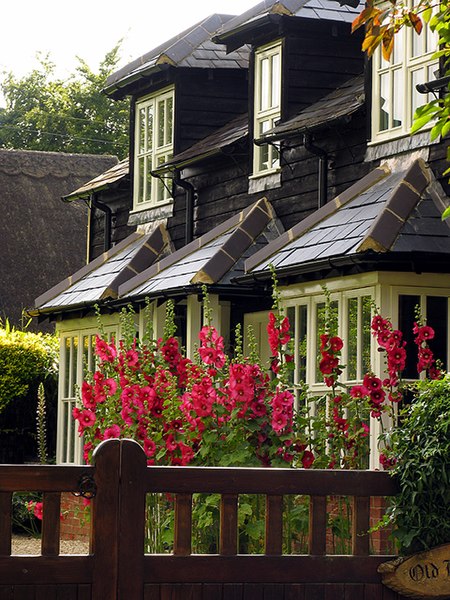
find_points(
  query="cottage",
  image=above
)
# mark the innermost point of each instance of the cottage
(265, 139)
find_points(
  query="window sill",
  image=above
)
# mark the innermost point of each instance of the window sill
(398, 145)
(264, 181)
(150, 214)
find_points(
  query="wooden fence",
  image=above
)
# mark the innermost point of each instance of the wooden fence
(118, 568)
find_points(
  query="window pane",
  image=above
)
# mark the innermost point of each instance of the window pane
(384, 101)
(417, 43)
(399, 47)
(417, 76)
(161, 120)
(169, 123)
(437, 318)
(406, 317)
(140, 182)
(302, 340)
(366, 308)
(149, 178)
(141, 129)
(352, 338)
(149, 128)
(74, 365)
(275, 80)
(326, 322)
(66, 359)
(264, 89)
(398, 94)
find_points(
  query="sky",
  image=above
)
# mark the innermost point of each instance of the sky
(90, 28)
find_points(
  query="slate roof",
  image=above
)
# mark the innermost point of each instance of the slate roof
(113, 175)
(342, 102)
(101, 278)
(191, 48)
(42, 238)
(214, 258)
(213, 144)
(385, 212)
(308, 9)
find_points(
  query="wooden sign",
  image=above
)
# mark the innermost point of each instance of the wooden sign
(421, 576)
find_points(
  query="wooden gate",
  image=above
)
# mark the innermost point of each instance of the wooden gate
(118, 568)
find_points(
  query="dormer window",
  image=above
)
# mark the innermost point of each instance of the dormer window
(267, 105)
(395, 97)
(153, 147)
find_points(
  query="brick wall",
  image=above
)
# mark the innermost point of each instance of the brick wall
(75, 524)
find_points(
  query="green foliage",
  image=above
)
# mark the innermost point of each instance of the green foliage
(64, 115)
(422, 448)
(23, 519)
(41, 425)
(25, 358)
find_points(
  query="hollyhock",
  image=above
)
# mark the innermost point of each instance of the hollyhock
(358, 391)
(105, 352)
(113, 431)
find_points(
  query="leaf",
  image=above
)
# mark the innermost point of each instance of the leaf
(416, 22)
(421, 122)
(446, 128)
(387, 44)
(446, 213)
(368, 13)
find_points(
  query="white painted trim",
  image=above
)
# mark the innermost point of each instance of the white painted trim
(157, 154)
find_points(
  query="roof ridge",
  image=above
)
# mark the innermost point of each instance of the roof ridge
(387, 225)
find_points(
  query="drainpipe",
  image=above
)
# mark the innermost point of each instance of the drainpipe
(323, 167)
(108, 219)
(190, 193)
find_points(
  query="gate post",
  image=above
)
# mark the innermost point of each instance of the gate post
(105, 520)
(131, 522)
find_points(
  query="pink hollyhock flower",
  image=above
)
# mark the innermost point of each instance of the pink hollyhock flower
(149, 447)
(112, 432)
(328, 364)
(324, 340)
(87, 448)
(36, 508)
(279, 421)
(307, 459)
(377, 397)
(378, 323)
(106, 352)
(336, 344)
(372, 383)
(423, 334)
(359, 391)
(110, 386)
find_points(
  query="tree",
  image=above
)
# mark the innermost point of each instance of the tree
(384, 21)
(47, 113)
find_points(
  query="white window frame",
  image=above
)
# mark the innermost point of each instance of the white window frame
(73, 367)
(150, 151)
(410, 63)
(267, 112)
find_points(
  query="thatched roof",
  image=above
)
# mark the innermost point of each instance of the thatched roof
(42, 237)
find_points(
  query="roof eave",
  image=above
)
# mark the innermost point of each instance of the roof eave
(119, 88)
(235, 38)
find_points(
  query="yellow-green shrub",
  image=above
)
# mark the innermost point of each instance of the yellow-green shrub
(25, 358)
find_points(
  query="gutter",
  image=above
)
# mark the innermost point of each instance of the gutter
(190, 196)
(323, 168)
